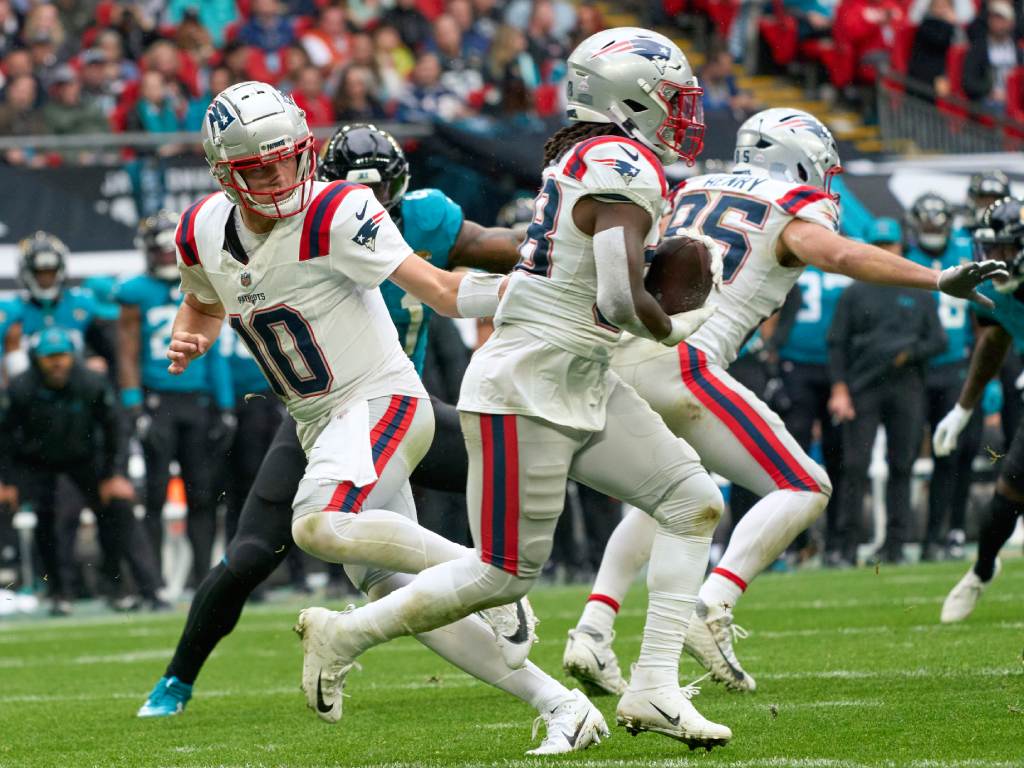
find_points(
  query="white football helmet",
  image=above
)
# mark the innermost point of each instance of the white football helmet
(252, 124)
(641, 81)
(789, 144)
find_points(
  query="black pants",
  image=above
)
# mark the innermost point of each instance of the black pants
(119, 531)
(264, 536)
(180, 430)
(258, 421)
(1013, 405)
(896, 403)
(951, 476)
(808, 388)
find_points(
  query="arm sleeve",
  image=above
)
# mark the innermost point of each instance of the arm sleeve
(838, 335)
(366, 246)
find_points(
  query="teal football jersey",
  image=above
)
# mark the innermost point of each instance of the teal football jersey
(808, 339)
(74, 311)
(953, 312)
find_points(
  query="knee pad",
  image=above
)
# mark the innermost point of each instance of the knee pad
(479, 585)
(692, 508)
(368, 580)
(248, 558)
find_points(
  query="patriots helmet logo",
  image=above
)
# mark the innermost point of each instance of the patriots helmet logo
(652, 50)
(803, 122)
(219, 116)
(367, 234)
(627, 171)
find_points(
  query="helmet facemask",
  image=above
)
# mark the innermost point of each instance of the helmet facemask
(682, 130)
(161, 258)
(285, 201)
(48, 290)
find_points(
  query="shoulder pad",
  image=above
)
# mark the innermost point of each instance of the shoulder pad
(810, 204)
(616, 163)
(185, 238)
(321, 219)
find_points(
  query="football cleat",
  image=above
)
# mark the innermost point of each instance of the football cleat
(168, 697)
(710, 642)
(590, 659)
(323, 672)
(572, 726)
(515, 630)
(668, 710)
(964, 596)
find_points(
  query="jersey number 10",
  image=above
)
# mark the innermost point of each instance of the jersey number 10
(288, 341)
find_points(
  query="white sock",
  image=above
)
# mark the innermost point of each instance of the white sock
(674, 575)
(758, 539)
(374, 537)
(469, 645)
(627, 551)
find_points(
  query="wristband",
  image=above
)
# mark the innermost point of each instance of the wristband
(478, 294)
(131, 397)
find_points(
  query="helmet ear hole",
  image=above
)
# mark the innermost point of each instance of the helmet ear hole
(802, 172)
(636, 106)
(763, 144)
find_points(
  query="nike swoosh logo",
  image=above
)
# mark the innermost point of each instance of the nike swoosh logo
(631, 155)
(321, 705)
(735, 672)
(521, 633)
(362, 214)
(672, 720)
(600, 664)
(579, 728)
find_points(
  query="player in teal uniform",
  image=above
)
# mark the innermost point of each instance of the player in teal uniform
(104, 288)
(181, 418)
(47, 301)
(1000, 236)
(435, 227)
(932, 240)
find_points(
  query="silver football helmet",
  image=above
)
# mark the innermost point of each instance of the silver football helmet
(43, 252)
(791, 145)
(641, 81)
(251, 125)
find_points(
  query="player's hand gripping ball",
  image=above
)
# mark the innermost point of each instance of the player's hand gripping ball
(683, 273)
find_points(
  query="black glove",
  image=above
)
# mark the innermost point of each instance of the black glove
(962, 281)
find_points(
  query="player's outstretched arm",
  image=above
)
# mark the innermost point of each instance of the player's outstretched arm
(814, 244)
(129, 378)
(196, 327)
(463, 294)
(494, 249)
(986, 360)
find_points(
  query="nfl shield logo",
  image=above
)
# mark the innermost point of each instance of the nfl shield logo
(246, 278)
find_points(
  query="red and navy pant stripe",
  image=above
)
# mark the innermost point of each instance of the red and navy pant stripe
(745, 423)
(499, 506)
(385, 437)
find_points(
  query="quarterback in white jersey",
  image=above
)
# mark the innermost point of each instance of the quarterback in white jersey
(539, 403)
(294, 264)
(771, 216)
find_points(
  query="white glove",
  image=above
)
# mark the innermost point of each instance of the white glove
(685, 324)
(948, 430)
(716, 251)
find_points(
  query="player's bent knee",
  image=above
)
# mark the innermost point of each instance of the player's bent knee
(251, 559)
(306, 532)
(692, 508)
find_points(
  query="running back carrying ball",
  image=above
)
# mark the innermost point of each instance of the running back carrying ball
(679, 277)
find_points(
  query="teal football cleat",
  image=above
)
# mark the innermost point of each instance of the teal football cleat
(168, 697)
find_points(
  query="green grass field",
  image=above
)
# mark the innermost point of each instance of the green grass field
(853, 669)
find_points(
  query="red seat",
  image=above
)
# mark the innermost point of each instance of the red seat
(545, 99)
(721, 13)
(1014, 128)
(899, 58)
(779, 31)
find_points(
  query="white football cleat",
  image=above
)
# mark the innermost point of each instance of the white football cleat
(591, 660)
(515, 630)
(710, 641)
(667, 710)
(964, 596)
(323, 672)
(572, 726)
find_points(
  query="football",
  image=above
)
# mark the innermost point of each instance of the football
(679, 277)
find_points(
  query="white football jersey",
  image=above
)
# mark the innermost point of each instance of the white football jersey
(745, 214)
(305, 299)
(552, 296)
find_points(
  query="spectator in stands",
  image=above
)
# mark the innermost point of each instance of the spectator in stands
(364, 14)
(294, 60)
(67, 113)
(44, 21)
(488, 18)
(18, 63)
(193, 38)
(427, 99)
(20, 117)
(720, 90)
(934, 35)
(460, 73)
(880, 340)
(220, 78)
(159, 108)
(137, 28)
(519, 13)
(588, 21)
(215, 15)
(869, 28)
(814, 17)
(10, 27)
(43, 51)
(474, 44)
(991, 57)
(163, 57)
(309, 95)
(412, 25)
(327, 43)
(963, 11)
(98, 86)
(545, 43)
(354, 101)
(267, 27)
(235, 56)
(392, 56)
(509, 59)
(110, 43)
